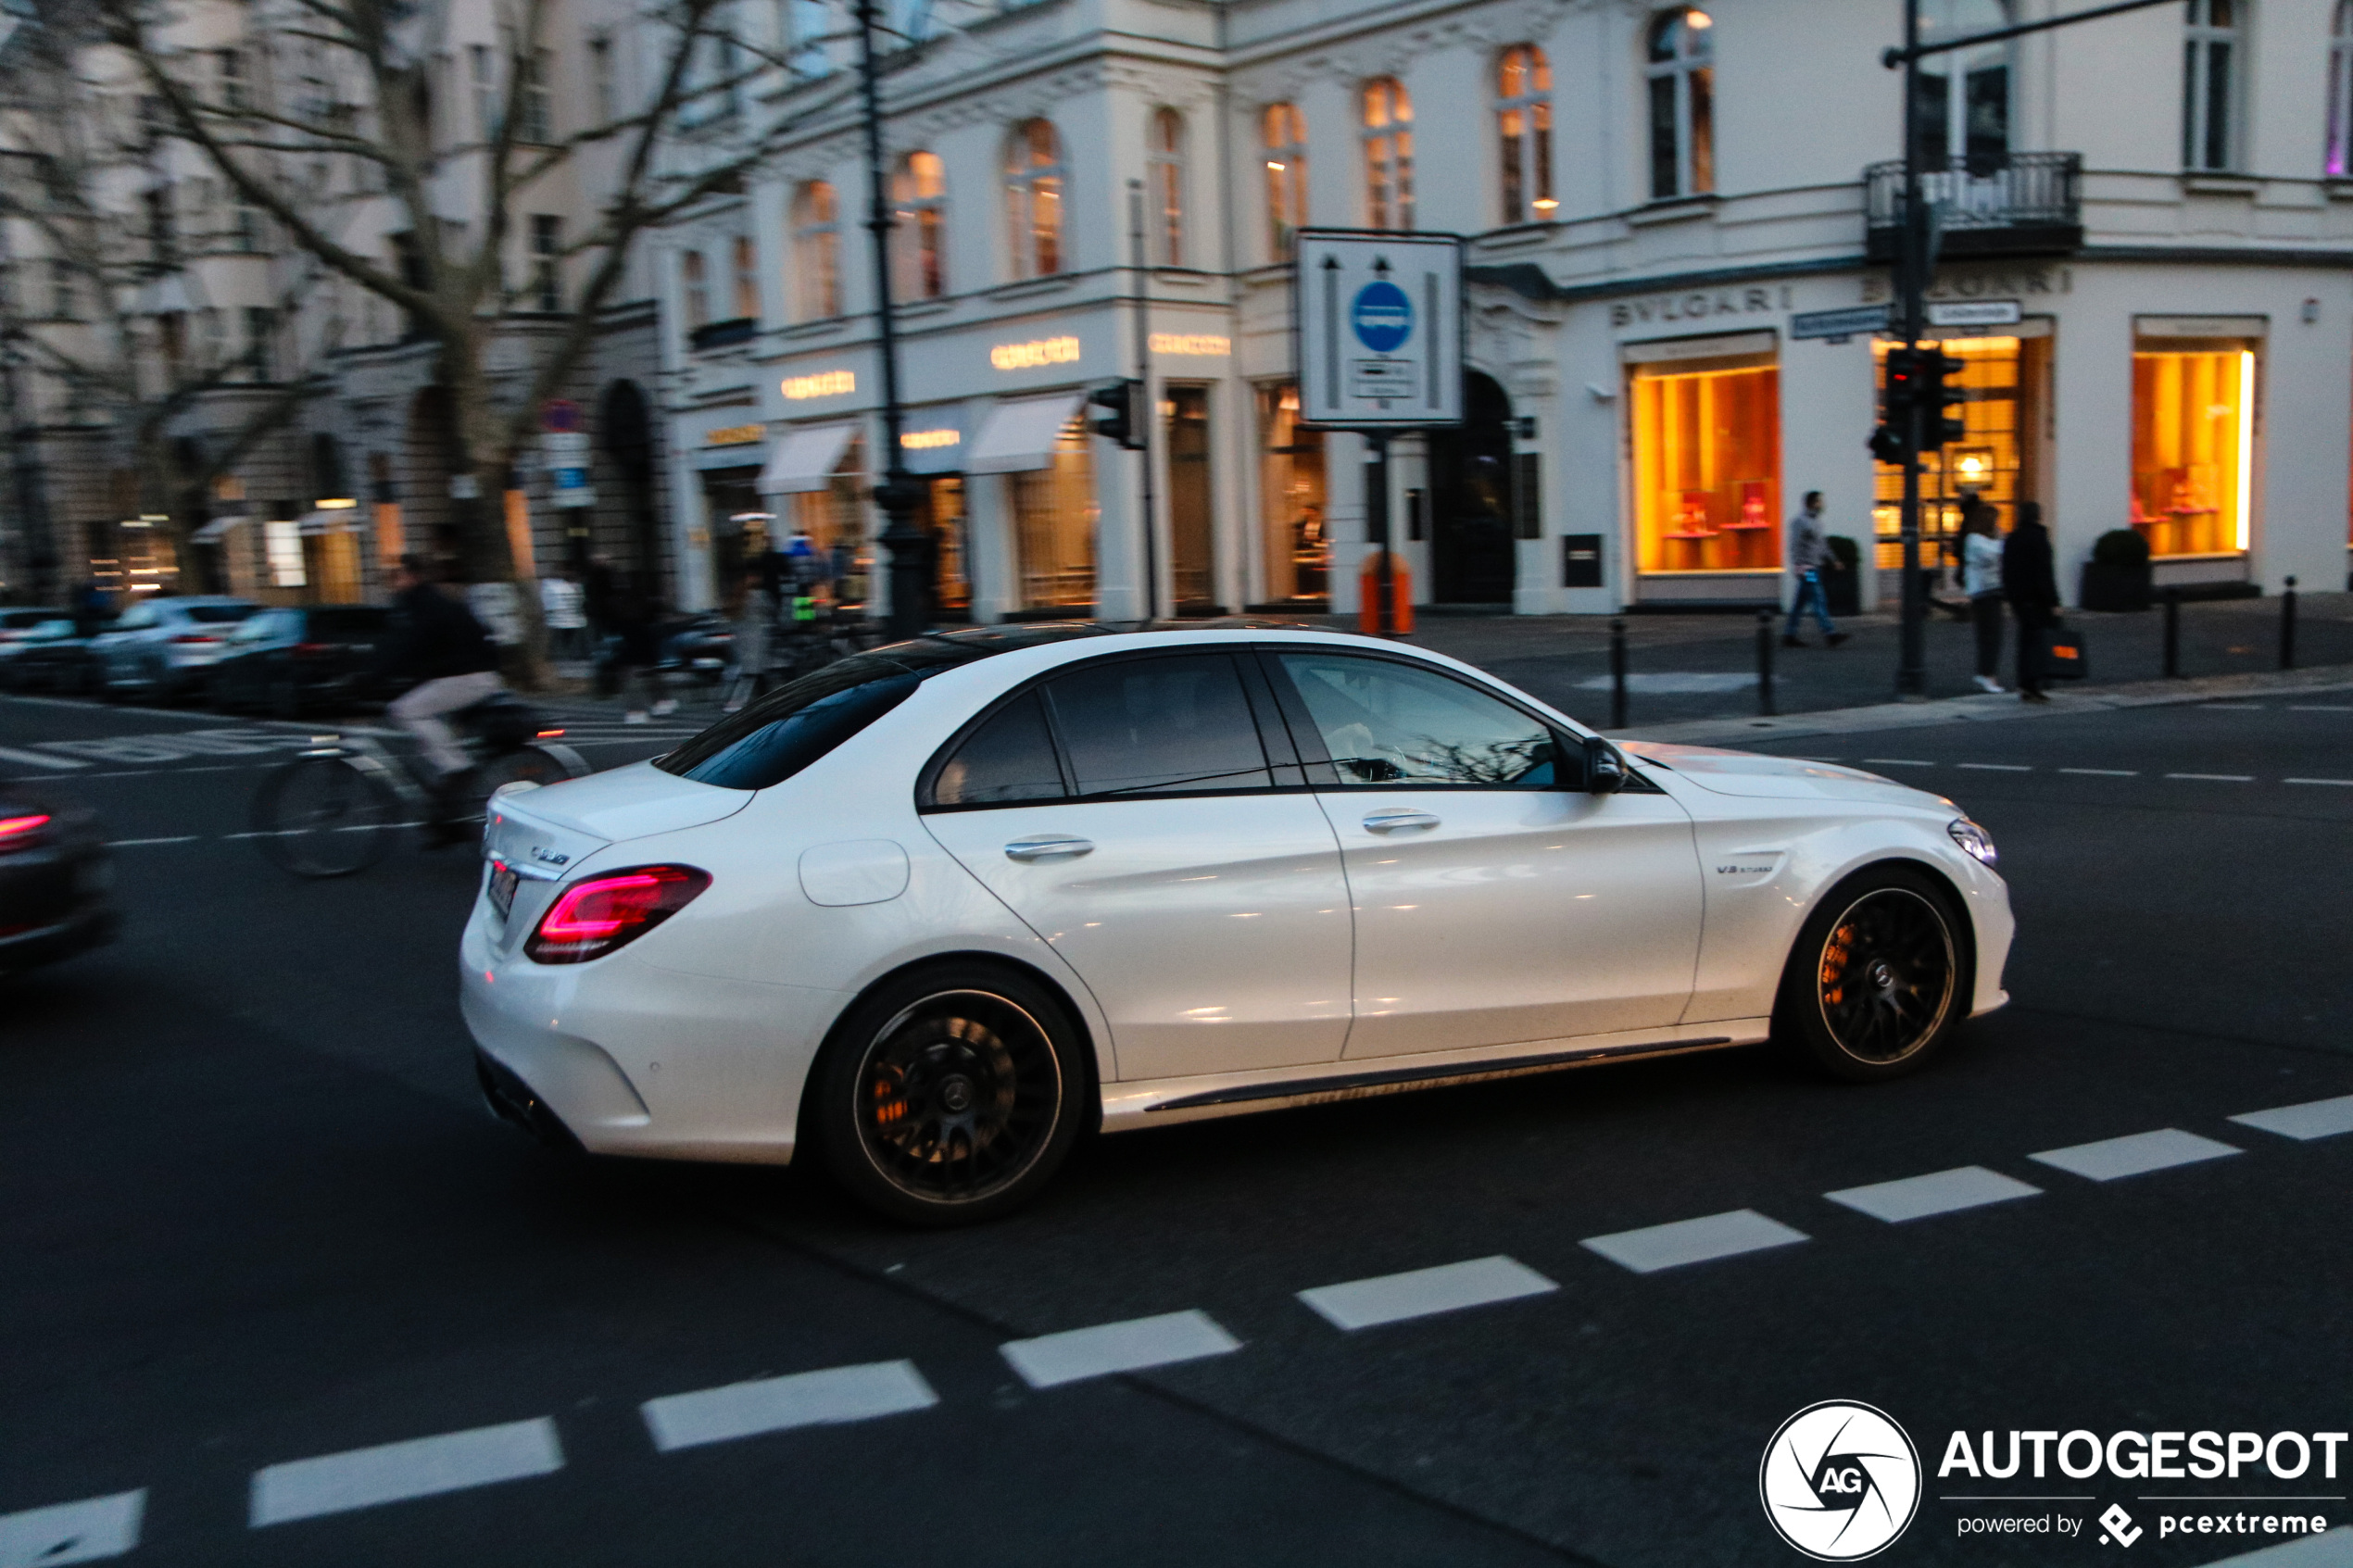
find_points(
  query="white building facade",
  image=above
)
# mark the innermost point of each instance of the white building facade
(1648, 197)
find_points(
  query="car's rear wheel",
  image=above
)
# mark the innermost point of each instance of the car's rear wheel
(948, 1096)
(1877, 982)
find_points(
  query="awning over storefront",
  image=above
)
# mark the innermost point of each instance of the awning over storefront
(805, 459)
(214, 532)
(1020, 434)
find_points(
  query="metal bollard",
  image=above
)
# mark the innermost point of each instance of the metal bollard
(1765, 663)
(2287, 626)
(1616, 673)
(2172, 633)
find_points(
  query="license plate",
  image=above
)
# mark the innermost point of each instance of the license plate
(502, 889)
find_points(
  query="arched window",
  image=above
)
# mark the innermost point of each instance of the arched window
(2210, 82)
(696, 282)
(746, 278)
(1034, 198)
(1166, 157)
(1389, 155)
(1965, 94)
(1681, 74)
(2340, 159)
(1524, 126)
(919, 192)
(1285, 131)
(816, 253)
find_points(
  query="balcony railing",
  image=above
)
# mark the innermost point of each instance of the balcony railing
(2031, 204)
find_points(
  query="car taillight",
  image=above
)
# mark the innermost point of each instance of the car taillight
(593, 918)
(15, 832)
(312, 650)
(194, 638)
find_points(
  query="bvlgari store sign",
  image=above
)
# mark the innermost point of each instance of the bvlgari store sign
(1050, 352)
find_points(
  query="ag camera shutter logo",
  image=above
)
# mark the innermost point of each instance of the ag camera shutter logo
(1840, 1481)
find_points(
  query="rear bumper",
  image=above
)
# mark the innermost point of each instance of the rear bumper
(93, 924)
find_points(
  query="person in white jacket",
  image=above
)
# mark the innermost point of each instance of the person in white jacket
(1982, 581)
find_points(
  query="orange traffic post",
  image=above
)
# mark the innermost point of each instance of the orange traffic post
(1401, 594)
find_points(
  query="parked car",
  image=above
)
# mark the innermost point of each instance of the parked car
(925, 915)
(163, 647)
(54, 882)
(283, 661)
(16, 622)
(50, 656)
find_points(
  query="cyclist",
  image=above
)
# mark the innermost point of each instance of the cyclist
(447, 661)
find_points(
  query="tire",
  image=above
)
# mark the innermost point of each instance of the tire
(1878, 979)
(948, 1096)
(324, 816)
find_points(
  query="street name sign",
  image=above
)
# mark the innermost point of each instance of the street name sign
(1380, 329)
(1974, 313)
(1839, 323)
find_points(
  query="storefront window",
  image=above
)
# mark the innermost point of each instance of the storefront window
(1291, 488)
(2002, 399)
(2193, 444)
(1192, 550)
(942, 515)
(1708, 442)
(1054, 527)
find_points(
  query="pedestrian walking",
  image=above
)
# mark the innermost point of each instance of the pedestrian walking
(2031, 588)
(563, 605)
(1982, 581)
(1808, 548)
(755, 620)
(630, 620)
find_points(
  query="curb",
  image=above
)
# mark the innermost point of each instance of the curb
(1986, 707)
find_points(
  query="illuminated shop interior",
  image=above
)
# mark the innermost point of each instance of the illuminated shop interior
(2002, 397)
(1707, 484)
(1292, 492)
(2193, 444)
(1054, 526)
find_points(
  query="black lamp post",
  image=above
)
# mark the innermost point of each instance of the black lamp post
(899, 493)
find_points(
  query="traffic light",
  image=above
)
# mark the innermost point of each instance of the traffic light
(1902, 386)
(1887, 445)
(1936, 371)
(1115, 409)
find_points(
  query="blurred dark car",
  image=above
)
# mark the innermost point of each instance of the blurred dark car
(16, 622)
(283, 661)
(54, 882)
(50, 656)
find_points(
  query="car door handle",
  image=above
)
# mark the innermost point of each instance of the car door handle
(1057, 848)
(1389, 821)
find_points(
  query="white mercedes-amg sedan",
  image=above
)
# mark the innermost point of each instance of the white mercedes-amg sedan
(934, 912)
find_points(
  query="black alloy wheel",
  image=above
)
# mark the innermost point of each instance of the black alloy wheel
(1878, 979)
(948, 1096)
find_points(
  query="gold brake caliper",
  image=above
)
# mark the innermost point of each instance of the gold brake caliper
(1835, 953)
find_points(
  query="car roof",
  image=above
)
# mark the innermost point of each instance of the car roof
(982, 642)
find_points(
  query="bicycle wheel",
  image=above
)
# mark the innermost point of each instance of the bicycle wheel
(525, 764)
(324, 816)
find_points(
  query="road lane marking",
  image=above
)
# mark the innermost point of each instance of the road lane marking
(35, 760)
(2319, 781)
(1942, 1192)
(778, 1404)
(1895, 762)
(422, 1467)
(1998, 767)
(2313, 1119)
(1110, 1348)
(2104, 772)
(71, 1532)
(2134, 1154)
(2216, 778)
(1421, 1293)
(1692, 1241)
(2319, 707)
(2232, 707)
(135, 843)
(2331, 1550)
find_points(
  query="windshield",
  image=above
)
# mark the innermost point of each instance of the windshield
(790, 728)
(218, 612)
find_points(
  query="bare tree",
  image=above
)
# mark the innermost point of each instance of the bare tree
(382, 114)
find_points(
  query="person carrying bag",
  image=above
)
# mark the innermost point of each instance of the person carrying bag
(2031, 588)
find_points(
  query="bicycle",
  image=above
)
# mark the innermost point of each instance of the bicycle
(332, 808)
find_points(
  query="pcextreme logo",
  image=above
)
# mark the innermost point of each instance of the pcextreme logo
(1840, 1481)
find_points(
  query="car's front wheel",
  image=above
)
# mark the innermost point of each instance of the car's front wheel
(1878, 978)
(950, 1095)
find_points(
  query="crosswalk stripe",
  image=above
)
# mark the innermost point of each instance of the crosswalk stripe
(1942, 1192)
(1692, 1241)
(778, 1404)
(1421, 1293)
(2134, 1154)
(1110, 1348)
(72, 1532)
(422, 1467)
(2313, 1119)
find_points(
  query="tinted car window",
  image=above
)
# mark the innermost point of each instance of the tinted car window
(1010, 758)
(216, 614)
(1152, 725)
(1386, 723)
(136, 618)
(343, 625)
(796, 724)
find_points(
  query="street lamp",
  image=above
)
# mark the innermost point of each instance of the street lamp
(899, 493)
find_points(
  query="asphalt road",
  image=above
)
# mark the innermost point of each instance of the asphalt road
(254, 1215)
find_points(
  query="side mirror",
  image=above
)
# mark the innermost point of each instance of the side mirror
(1605, 770)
